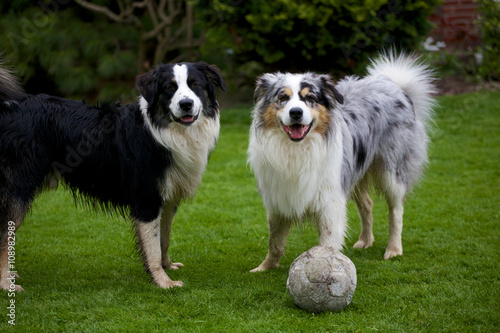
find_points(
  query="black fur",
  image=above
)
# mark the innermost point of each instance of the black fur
(105, 154)
(158, 88)
(333, 93)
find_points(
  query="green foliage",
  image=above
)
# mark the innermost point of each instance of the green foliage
(322, 35)
(490, 28)
(454, 63)
(81, 57)
(59, 47)
(81, 273)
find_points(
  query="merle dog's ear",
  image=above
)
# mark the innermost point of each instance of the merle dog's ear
(263, 85)
(146, 84)
(213, 75)
(330, 87)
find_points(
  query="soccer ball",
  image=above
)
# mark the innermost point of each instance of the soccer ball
(322, 279)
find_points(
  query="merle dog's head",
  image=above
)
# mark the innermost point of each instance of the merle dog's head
(180, 92)
(296, 104)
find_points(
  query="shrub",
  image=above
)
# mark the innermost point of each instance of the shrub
(317, 35)
(490, 29)
(64, 53)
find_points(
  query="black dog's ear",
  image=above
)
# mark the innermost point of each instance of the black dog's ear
(333, 92)
(263, 85)
(146, 84)
(213, 75)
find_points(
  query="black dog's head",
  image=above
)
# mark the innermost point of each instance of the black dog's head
(180, 92)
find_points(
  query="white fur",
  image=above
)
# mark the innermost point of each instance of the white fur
(411, 75)
(183, 91)
(298, 180)
(190, 147)
(148, 235)
(378, 133)
(293, 82)
(293, 177)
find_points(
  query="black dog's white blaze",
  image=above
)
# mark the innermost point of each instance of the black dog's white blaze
(185, 104)
(142, 158)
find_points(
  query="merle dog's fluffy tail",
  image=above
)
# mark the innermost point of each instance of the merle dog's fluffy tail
(10, 89)
(413, 76)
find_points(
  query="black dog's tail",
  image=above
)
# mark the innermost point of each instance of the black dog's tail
(10, 89)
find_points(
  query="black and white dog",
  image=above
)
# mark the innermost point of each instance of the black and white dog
(314, 144)
(142, 158)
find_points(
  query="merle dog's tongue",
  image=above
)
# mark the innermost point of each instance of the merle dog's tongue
(296, 132)
(187, 119)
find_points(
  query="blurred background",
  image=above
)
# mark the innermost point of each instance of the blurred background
(93, 49)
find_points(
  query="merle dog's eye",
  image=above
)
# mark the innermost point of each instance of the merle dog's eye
(172, 87)
(195, 84)
(282, 98)
(311, 98)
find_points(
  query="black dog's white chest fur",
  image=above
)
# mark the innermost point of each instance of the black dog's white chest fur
(189, 148)
(191, 132)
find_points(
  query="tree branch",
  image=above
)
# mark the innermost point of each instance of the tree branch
(152, 13)
(141, 4)
(162, 14)
(125, 16)
(161, 9)
(100, 9)
(121, 5)
(165, 22)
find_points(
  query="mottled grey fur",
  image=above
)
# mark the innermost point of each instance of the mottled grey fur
(381, 131)
(383, 119)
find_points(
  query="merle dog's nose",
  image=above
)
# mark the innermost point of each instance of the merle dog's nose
(296, 113)
(186, 104)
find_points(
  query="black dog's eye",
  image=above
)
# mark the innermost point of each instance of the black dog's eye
(282, 98)
(172, 87)
(195, 84)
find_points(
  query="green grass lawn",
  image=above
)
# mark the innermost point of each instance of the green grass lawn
(80, 271)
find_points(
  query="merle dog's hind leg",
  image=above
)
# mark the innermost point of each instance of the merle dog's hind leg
(365, 205)
(12, 213)
(395, 192)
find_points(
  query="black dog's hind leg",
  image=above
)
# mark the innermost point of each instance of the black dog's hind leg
(12, 213)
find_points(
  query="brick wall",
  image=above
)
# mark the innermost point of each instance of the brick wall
(455, 22)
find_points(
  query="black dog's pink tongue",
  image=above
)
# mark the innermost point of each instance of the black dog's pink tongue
(187, 119)
(296, 132)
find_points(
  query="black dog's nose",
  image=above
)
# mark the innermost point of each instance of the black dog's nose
(296, 113)
(186, 104)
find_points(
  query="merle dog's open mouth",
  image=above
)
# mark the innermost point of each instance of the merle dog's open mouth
(186, 120)
(297, 132)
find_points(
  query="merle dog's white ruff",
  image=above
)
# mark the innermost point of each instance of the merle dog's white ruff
(378, 134)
